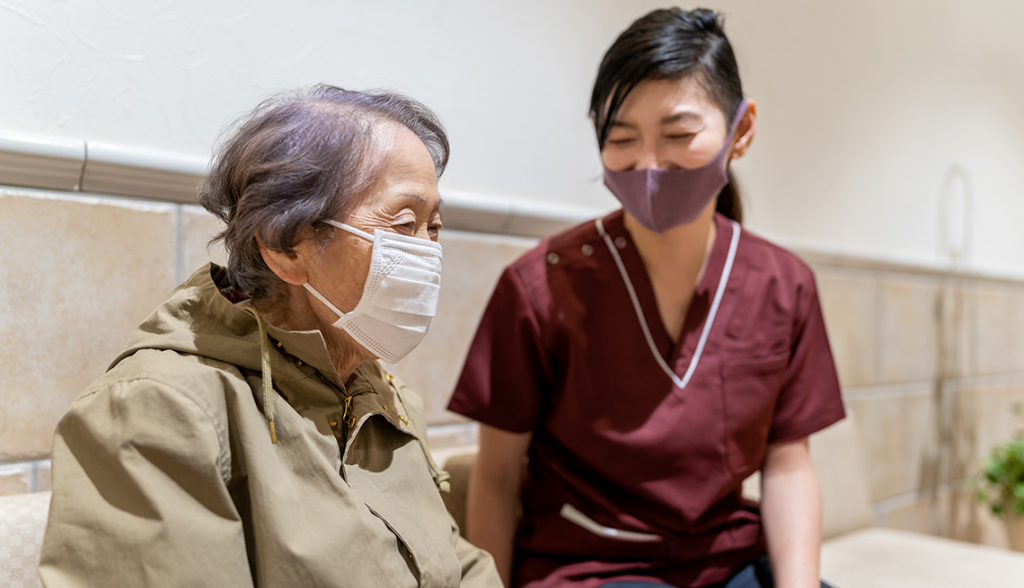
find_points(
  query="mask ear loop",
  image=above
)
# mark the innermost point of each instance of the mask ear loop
(324, 299)
(740, 111)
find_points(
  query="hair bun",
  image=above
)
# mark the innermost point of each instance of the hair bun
(705, 19)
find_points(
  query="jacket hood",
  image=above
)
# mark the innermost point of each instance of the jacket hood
(196, 318)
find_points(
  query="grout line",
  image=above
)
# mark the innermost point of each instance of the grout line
(34, 486)
(887, 505)
(15, 462)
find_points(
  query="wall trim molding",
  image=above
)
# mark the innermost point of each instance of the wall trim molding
(75, 165)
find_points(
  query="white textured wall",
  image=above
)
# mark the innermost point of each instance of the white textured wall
(864, 106)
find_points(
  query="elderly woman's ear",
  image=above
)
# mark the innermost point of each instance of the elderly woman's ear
(290, 267)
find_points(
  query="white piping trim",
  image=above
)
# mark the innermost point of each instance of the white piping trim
(572, 515)
(712, 313)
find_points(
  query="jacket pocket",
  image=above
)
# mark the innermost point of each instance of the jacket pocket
(750, 388)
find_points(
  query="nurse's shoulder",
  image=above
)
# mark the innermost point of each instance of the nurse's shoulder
(758, 254)
(572, 249)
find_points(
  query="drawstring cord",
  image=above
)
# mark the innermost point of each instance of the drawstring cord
(441, 477)
(268, 382)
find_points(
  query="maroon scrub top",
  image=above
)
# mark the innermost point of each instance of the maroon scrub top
(560, 352)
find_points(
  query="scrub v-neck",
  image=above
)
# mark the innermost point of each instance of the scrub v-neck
(679, 355)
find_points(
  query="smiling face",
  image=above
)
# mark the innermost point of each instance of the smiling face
(669, 124)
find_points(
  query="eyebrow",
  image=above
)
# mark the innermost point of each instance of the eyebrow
(415, 197)
(681, 116)
(685, 115)
(422, 200)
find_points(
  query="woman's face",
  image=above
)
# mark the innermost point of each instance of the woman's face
(404, 200)
(666, 124)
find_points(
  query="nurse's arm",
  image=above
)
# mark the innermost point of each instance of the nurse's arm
(791, 511)
(494, 490)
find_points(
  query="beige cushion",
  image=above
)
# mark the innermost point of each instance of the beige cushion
(22, 522)
(890, 558)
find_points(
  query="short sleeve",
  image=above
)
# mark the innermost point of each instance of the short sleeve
(506, 370)
(810, 398)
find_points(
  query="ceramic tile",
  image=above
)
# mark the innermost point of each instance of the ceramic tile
(898, 440)
(472, 264)
(849, 302)
(907, 342)
(998, 328)
(77, 275)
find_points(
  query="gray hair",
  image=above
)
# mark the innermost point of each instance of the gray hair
(298, 159)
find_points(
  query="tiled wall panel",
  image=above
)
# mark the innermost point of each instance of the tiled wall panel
(907, 342)
(77, 274)
(849, 300)
(999, 328)
(198, 228)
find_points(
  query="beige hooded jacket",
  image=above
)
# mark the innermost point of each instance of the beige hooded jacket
(165, 473)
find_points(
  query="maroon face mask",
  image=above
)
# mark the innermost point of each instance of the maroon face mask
(662, 199)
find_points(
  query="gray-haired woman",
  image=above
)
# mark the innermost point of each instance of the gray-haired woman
(247, 435)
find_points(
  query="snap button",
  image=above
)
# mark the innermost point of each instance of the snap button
(334, 424)
(553, 258)
(402, 418)
(620, 242)
(587, 250)
(386, 410)
(298, 362)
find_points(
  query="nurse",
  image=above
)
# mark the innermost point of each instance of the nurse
(649, 361)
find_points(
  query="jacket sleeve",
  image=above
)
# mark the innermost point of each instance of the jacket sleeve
(140, 495)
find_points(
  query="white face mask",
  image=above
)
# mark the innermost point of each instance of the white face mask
(400, 295)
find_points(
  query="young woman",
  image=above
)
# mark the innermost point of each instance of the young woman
(649, 361)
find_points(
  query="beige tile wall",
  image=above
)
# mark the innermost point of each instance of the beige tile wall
(931, 366)
(77, 274)
(944, 384)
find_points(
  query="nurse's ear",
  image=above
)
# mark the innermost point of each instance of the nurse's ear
(290, 267)
(745, 131)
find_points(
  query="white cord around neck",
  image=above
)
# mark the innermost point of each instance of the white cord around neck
(680, 382)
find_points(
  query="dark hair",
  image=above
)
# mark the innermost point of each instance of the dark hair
(670, 44)
(299, 159)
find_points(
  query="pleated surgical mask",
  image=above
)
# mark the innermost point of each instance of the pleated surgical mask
(399, 298)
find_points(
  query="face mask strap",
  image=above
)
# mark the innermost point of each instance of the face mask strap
(350, 229)
(740, 111)
(323, 299)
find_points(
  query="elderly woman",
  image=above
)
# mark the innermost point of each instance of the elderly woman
(247, 436)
